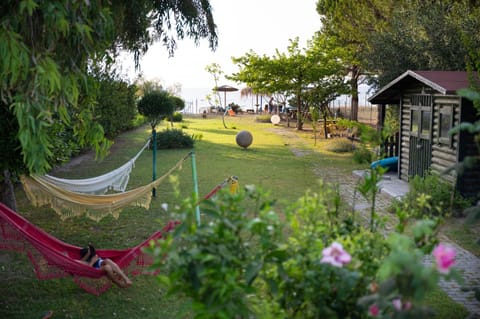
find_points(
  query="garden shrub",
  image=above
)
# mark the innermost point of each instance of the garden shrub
(362, 155)
(263, 118)
(138, 120)
(341, 145)
(177, 117)
(430, 196)
(244, 260)
(65, 144)
(175, 138)
(116, 108)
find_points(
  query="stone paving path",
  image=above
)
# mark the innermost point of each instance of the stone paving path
(467, 263)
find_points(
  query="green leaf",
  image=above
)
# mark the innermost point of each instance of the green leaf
(28, 5)
(252, 271)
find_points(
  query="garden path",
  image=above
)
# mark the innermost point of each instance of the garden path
(467, 263)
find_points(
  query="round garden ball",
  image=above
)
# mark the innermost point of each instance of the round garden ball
(244, 139)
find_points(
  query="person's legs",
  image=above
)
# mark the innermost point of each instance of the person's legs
(115, 270)
(113, 276)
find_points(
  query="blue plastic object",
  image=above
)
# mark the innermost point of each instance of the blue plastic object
(390, 162)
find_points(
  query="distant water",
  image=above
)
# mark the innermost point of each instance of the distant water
(196, 101)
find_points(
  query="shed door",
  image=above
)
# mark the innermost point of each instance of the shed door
(420, 146)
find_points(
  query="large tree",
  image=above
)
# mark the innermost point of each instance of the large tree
(47, 48)
(351, 22)
(295, 72)
(423, 35)
(282, 73)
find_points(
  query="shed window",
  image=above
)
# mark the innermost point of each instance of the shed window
(445, 125)
(426, 120)
(415, 117)
(421, 115)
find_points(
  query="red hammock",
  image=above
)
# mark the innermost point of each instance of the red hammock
(53, 258)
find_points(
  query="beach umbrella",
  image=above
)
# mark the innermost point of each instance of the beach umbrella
(225, 89)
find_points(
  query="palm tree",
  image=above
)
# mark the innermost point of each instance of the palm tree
(248, 91)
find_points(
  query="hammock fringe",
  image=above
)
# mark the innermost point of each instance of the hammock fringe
(69, 204)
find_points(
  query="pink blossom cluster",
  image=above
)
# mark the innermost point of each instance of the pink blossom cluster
(444, 257)
(335, 255)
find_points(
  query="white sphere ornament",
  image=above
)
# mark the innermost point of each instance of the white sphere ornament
(275, 119)
(244, 139)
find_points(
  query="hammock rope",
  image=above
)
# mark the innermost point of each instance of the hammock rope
(69, 204)
(116, 180)
(232, 181)
(53, 258)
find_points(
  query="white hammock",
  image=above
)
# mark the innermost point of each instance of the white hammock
(116, 180)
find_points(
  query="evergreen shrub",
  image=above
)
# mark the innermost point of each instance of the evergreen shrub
(177, 117)
(175, 138)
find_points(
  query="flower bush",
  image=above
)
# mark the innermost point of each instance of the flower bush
(312, 260)
(404, 279)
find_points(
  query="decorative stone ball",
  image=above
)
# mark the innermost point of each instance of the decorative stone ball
(244, 139)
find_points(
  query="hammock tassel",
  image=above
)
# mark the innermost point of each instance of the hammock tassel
(233, 184)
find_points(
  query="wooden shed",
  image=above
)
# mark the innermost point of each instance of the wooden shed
(429, 108)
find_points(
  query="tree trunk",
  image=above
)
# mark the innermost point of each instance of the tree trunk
(7, 193)
(299, 113)
(354, 87)
(325, 127)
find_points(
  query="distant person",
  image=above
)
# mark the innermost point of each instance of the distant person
(266, 108)
(271, 106)
(89, 256)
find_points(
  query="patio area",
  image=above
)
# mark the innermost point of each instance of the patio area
(390, 183)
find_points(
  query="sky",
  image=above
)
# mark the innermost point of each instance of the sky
(259, 25)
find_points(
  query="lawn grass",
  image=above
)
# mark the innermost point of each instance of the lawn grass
(268, 163)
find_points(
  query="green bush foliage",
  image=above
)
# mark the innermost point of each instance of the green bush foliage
(155, 106)
(245, 260)
(139, 120)
(116, 108)
(175, 138)
(363, 155)
(431, 196)
(177, 117)
(65, 145)
(341, 145)
(263, 118)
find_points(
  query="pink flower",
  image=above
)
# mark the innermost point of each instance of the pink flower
(373, 310)
(335, 255)
(397, 304)
(445, 257)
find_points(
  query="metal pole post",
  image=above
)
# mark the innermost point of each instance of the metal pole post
(154, 163)
(195, 189)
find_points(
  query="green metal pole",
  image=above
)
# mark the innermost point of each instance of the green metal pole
(154, 164)
(195, 188)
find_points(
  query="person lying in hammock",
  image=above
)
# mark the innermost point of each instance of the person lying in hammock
(89, 256)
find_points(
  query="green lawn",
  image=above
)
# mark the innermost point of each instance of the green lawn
(268, 163)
